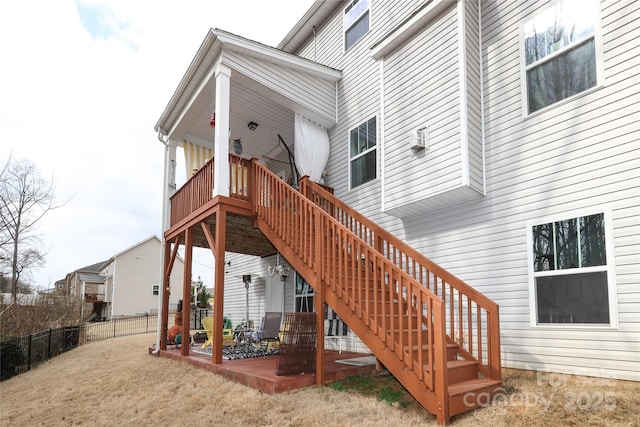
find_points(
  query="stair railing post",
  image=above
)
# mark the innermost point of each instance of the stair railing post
(494, 344)
(440, 369)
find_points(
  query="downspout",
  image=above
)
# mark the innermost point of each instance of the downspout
(113, 288)
(161, 138)
(83, 300)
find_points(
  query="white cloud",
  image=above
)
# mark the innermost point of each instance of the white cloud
(82, 86)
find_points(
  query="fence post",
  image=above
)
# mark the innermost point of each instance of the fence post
(114, 327)
(49, 344)
(29, 352)
(147, 327)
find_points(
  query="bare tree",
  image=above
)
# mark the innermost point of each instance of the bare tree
(25, 198)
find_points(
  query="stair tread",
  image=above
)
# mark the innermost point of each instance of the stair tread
(462, 362)
(471, 385)
(455, 364)
(427, 346)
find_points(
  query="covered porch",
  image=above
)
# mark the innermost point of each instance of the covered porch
(240, 102)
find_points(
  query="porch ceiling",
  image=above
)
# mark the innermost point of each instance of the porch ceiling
(267, 87)
(242, 236)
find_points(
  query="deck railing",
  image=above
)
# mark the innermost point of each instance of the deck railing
(198, 190)
(472, 319)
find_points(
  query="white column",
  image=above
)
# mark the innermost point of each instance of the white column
(221, 134)
(169, 186)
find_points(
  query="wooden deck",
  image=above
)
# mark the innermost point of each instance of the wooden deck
(259, 372)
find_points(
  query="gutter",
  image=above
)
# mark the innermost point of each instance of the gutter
(162, 137)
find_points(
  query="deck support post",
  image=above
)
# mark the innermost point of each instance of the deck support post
(319, 300)
(186, 292)
(166, 289)
(218, 290)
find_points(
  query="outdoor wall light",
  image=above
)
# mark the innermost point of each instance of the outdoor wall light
(252, 125)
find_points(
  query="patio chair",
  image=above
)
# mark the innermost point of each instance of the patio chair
(227, 333)
(269, 329)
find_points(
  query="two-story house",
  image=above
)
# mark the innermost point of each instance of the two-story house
(127, 284)
(479, 154)
(131, 279)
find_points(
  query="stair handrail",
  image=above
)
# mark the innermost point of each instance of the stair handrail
(305, 234)
(461, 326)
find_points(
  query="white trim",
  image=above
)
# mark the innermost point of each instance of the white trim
(113, 287)
(609, 268)
(381, 139)
(482, 112)
(239, 44)
(462, 87)
(599, 58)
(409, 28)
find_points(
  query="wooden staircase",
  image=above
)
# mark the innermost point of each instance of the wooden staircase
(437, 335)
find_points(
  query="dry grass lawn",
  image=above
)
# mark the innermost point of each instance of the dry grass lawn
(115, 382)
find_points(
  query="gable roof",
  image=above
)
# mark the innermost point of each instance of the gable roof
(314, 18)
(107, 262)
(93, 268)
(219, 47)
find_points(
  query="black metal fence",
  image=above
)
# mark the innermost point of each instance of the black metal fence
(195, 321)
(118, 327)
(19, 354)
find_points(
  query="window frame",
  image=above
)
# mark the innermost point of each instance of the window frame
(609, 268)
(303, 297)
(599, 57)
(368, 150)
(155, 290)
(354, 22)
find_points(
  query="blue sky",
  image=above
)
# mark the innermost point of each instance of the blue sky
(102, 23)
(83, 85)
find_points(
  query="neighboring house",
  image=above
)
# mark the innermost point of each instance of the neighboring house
(499, 139)
(126, 284)
(131, 280)
(88, 284)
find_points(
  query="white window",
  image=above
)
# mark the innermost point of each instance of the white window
(560, 53)
(571, 271)
(304, 294)
(355, 22)
(156, 290)
(362, 142)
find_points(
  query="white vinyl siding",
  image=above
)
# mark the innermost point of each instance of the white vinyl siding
(422, 91)
(579, 155)
(135, 272)
(440, 86)
(473, 94)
